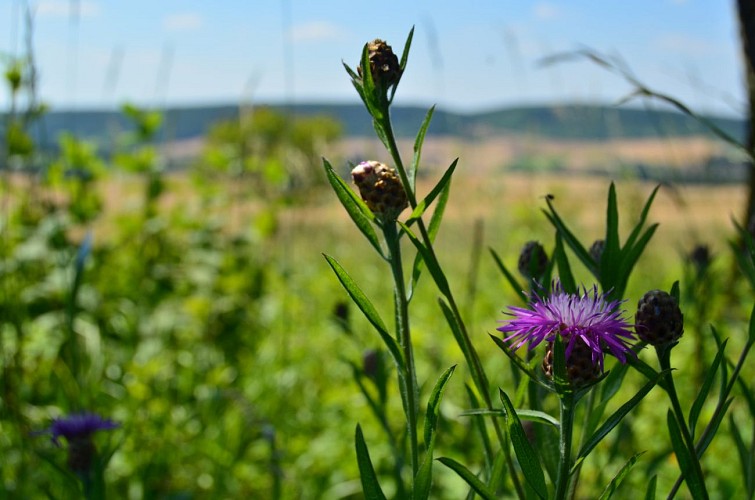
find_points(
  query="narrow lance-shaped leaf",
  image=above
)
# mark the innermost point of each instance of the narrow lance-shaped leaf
(418, 142)
(617, 416)
(509, 277)
(525, 454)
(710, 375)
(473, 481)
(355, 207)
(423, 479)
(619, 477)
(369, 311)
(438, 189)
(430, 262)
(370, 485)
(564, 268)
(695, 482)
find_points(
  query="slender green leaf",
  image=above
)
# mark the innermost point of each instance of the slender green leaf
(435, 221)
(369, 311)
(564, 268)
(617, 416)
(433, 405)
(509, 277)
(619, 477)
(525, 454)
(571, 240)
(473, 481)
(474, 402)
(751, 332)
(612, 245)
(650, 492)
(418, 142)
(643, 218)
(529, 415)
(355, 207)
(370, 484)
(712, 428)
(746, 456)
(702, 395)
(519, 362)
(432, 265)
(438, 189)
(694, 481)
(423, 479)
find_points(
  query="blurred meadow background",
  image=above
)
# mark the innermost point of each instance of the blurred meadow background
(164, 212)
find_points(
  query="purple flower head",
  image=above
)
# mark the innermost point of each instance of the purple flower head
(587, 316)
(78, 426)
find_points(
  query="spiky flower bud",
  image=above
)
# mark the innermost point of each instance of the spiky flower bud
(596, 250)
(380, 189)
(532, 260)
(659, 320)
(384, 64)
(581, 369)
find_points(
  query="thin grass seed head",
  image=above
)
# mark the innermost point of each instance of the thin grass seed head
(588, 324)
(381, 189)
(658, 320)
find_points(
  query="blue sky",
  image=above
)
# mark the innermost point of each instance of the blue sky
(467, 55)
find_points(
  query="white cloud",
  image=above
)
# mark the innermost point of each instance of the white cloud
(314, 31)
(63, 8)
(183, 21)
(545, 10)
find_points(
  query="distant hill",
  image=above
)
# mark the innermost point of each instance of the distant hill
(583, 122)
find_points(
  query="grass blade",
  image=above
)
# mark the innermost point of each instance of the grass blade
(473, 481)
(525, 454)
(616, 417)
(355, 207)
(694, 481)
(370, 484)
(619, 477)
(509, 277)
(697, 406)
(369, 311)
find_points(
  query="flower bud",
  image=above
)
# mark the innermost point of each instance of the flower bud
(659, 320)
(596, 250)
(581, 369)
(700, 258)
(532, 260)
(384, 64)
(380, 189)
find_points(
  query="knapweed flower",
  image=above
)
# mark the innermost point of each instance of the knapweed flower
(581, 318)
(381, 189)
(77, 429)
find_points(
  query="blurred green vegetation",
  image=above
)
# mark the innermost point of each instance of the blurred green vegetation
(204, 320)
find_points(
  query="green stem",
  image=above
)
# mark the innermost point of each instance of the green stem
(567, 403)
(408, 381)
(470, 354)
(664, 359)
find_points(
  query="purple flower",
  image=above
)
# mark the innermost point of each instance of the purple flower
(586, 316)
(78, 426)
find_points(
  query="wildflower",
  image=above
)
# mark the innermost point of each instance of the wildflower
(384, 64)
(380, 188)
(582, 318)
(700, 258)
(659, 320)
(532, 260)
(77, 429)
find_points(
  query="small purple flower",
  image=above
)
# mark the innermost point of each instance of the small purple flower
(78, 426)
(586, 316)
